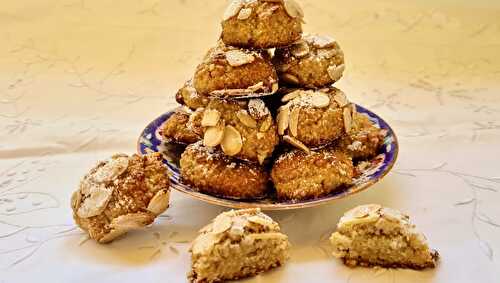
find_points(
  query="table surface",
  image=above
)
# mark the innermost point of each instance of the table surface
(79, 79)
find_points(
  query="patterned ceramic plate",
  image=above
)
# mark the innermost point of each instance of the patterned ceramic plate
(149, 141)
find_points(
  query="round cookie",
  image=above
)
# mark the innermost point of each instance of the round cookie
(227, 71)
(189, 97)
(364, 140)
(314, 61)
(243, 129)
(212, 172)
(262, 23)
(298, 175)
(120, 194)
(314, 118)
(182, 127)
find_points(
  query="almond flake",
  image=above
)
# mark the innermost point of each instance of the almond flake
(111, 169)
(291, 95)
(113, 234)
(293, 9)
(233, 9)
(222, 223)
(256, 87)
(210, 118)
(283, 119)
(231, 143)
(341, 99)
(246, 119)
(289, 78)
(238, 58)
(296, 143)
(300, 49)
(320, 41)
(347, 119)
(275, 87)
(96, 201)
(159, 203)
(132, 221)
(335, 72)
(203, 243)
(244, 13)
(365, 210)
(320, 100)
(213, 135)
(266, 124)
(294, 121)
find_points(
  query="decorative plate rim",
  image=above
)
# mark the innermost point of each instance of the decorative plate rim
(187, 190)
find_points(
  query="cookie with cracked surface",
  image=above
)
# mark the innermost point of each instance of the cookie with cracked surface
(314, 118)
(228, 71)
(243, 129)
(262, 23)
(313, 62)
(237, 244)
(372, 235)
(212, 172)
(183, 127)
(121, 194)
(298, 175)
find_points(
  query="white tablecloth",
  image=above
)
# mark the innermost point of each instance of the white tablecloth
(79, 79)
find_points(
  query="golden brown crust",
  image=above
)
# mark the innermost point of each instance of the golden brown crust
(188, 96)
(268, 25)
(178, 129)
(298, 175)
(216, 75)
(365, 139)
(212, 172)
(311, 62)
(132, 192)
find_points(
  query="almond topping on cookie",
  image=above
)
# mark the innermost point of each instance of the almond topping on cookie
(159, 203)
(246, 119)
(213, 135)
(231, 143)
(293, 9)
(283, 119)
(244, 13)
(347, 119)
(294, 121)
(210, 118)
(289, 78)
(296, 143)
(238, 58)
(320, 100)
(335, 72)
(300, 49)
(233, 9)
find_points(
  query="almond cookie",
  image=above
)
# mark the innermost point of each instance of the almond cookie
(364, 140)
(189, 97)
(314, 118)
(262, 23)
(237, 244)
(243, 129)
(298, 175)
(372, 235)
(183, 127)
(121, 194)
(314, 61)
(231, 72)
(212, 172)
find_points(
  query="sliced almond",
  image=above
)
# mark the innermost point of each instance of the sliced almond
(246, 119)
(96, 201)
(256, 87)
(233, 9)
(213, 135)
(289, 78)
(222, 223)
(320, 100)
(347, 119)
(327, 53)
(203, 243)
(274, 87)
(291, 95)
(111, 169)
(266, 124)
(354, 110)
(112, 235)
(300, 49)
(210, 118)
(294, 121)
(231, 143)
(132, 221)
(244, 13)
(341, 99)
(335, 72)
(238, 58)
(159, 203)
(320, 41)
(365, 210)
(296, 143)
(283, 119)
(293, 9)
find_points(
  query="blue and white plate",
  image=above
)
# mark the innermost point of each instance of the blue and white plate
(379, 166)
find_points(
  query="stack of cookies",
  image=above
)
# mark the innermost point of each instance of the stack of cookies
(262, 108)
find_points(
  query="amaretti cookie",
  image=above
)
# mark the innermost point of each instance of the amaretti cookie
(237, 244)
(314, 118)
(364, 140)
(372, 235)
(243, 129)
(120, 194)
(227, 71)
(299, 175)
(314, 61)
(212, 172)
(183, 127)
(262, 23)
(189, 97)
